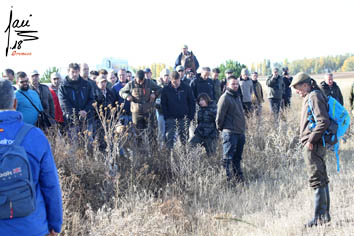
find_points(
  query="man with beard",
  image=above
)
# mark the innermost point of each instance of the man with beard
(230, 120)
(76, 97)
(54, 86)
(44, 94)
(23, 95)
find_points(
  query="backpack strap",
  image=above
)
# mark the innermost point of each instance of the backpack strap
(21, 134)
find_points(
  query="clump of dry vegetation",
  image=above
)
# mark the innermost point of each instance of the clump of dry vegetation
(151, 191)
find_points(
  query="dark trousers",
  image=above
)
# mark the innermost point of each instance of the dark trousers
(176, 126)
(248, 108)
(275, 106)
(209, 143)
(286, 102)
(233, 147)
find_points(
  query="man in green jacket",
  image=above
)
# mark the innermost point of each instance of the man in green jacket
(230, 119)
(142, 93)
(275, 95)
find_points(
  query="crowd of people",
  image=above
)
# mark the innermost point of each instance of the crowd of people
(169, 104)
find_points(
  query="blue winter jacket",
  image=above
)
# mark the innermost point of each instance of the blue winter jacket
(48, 213)
(116, 88)
(29, 113)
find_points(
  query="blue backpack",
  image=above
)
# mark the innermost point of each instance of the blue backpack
(17, 192)
(340, 121)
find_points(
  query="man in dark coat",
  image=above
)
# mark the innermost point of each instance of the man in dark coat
(230, 119)
(330, 88)
(203, 84)
(76, 97)
(178, 108)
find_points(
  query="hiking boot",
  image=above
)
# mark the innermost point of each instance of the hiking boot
(327, 216)
(320, 207)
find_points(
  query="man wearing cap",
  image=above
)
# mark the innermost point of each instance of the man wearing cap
(287, 79)
(182, 75)
(246, 86)
(311, 140)
(203, 84)
(106, 100)
(148, 74)
(44, 94)
(187, 60)
(276, 87)
(141, 92)
(55, 79)
(330, 88)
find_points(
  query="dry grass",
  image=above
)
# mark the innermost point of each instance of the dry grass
(154, 192)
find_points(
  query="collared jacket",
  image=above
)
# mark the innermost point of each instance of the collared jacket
(179, 61)
(124, 104)
(58, 113)
(76, 95)
(48, 213)
(206, 116)
(257, 97)
(230, 116)
(200, 85)
(287, 88)
(246, 86)
(46, 99)
(141, 95)
(29, 113)
(333, 91)
(320, 110)
(177, 103)
(276, 87)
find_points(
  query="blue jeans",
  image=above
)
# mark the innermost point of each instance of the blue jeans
(233, 147)
(176, 125)
(275, 106)
(160, 126)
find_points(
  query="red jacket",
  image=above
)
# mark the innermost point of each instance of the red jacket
(57, 109)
